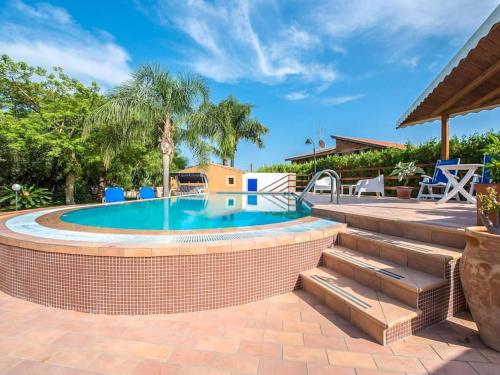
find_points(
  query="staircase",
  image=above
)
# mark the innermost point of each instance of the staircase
(388, 286)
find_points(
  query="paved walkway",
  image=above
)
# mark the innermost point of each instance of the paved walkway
(451, 214)
(290, 334)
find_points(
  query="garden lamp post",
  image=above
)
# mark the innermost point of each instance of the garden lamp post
(16, 188)
(321, 144)
(309, 141)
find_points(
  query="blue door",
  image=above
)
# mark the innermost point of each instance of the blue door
(252, 184)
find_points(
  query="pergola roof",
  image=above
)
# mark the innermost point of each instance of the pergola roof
(469, 83)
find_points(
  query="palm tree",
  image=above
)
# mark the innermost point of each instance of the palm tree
(227, 123)
(152, 106)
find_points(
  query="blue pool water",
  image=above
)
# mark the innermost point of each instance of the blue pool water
(194, 212)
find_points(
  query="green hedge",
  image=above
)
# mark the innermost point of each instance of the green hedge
(468, 148)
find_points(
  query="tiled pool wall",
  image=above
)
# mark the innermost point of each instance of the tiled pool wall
(157, 284)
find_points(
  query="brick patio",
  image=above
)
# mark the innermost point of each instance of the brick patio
(289, 334)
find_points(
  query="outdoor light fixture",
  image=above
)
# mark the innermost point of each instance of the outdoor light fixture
(16, 188)
(321, 143)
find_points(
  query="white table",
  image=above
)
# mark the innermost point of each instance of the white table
(458, 184)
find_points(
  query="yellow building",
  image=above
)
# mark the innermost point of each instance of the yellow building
(221, 178)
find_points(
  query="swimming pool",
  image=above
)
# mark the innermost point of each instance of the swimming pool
(208, 211)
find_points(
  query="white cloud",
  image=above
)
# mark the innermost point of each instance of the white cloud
(422, 18)
(337, 100)
(47, 36)
(296, 95)
(229, 47)
(271, 41)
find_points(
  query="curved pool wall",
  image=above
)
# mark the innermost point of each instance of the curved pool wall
(135, 273)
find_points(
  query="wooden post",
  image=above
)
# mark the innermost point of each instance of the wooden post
(445, 137)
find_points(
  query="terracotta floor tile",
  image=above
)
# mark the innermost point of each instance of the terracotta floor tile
(218, 344)
(414, 350)
(132, 348)
(486, 368)
(7, 363)
(33, 351)
(455, 353)
(191, 357)
(280, 337)
(327, 342)
(76, 340)
(73, 371)
(261, 349)
(275, 367)
(304, 354)
(193, 370)
(319, 369)
(364, 345)
(150, 367)
(236, 363)
(245, 333)
(365, 371)
(351, 359)
(491, 355)
(301, 327)
(265, 323)
(71, 357)
(114, 365)
(32, 368)
(439, 367)
(398, 363)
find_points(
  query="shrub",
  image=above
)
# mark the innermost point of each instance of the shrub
(29, 196)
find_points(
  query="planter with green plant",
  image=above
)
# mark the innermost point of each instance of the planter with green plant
(29, 196)
(404, 171)
(480, 270)
(493, 168)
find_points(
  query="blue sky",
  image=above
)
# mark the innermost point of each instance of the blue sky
(346, 67)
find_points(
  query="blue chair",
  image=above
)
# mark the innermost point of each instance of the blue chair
(113, 194)
(146, 192)
(438, 180)
(484, 178)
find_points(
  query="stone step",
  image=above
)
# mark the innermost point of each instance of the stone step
(397, 281)
(371, 311)
(426, 257)
(437, 233)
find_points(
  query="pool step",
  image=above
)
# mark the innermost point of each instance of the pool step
(370, 310)
(423, 256)
(397, 281)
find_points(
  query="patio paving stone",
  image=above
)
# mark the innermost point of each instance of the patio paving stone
(308, 340)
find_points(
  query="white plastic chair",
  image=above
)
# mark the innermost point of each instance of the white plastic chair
(325, 184)
(371, 185)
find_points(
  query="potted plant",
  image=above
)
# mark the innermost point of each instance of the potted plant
(493, 149)
(480, 270)
(404, 171)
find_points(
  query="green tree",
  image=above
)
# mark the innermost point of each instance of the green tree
(227, 123)
(151, 107)
(42, 122)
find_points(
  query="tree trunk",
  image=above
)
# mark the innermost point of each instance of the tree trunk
(69, 188)
(165, 158)
(167, 150)
(226, 162)
(232, 162)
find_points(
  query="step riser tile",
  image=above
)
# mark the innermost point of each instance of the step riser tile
(339, 306)
(395, 291)
(313, 289)
(428, 264)
(405, 257)
(369, 326)
(371, 279)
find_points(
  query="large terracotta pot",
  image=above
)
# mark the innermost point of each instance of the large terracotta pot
(481, 189)
(403, 192)
(480, 275)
